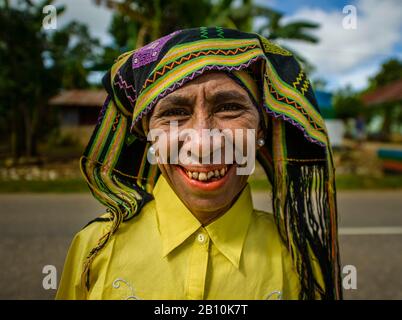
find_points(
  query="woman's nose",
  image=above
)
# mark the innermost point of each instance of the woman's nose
(200, 140)
(201, 119)
(206, 141)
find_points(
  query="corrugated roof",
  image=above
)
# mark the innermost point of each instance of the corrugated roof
(389, 93)
(79, 98)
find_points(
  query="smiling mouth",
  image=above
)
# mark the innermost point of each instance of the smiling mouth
(212, 175)
(206, 174)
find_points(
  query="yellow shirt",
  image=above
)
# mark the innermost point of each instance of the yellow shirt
(165, 253)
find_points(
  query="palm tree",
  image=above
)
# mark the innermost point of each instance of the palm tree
(141, 21)
(273, 28)
(155, 18)
(158, 17)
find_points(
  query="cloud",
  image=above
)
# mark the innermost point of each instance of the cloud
(97, 18)
(357, 78)
(351, 55)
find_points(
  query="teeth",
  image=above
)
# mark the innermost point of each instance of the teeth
(204, 176)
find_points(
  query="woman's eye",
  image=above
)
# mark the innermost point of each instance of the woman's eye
(229, 107)
(175, 112)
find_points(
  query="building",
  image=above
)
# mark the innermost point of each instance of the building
(386, 103)
(78, 112)
(390, 93)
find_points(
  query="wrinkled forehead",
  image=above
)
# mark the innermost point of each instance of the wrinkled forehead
(214, 87)
(211, 86)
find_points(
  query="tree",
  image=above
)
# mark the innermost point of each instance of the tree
(152, 19)
(275, 29)
(73, 53)
(391, 70)
(35, 65)
(137, 22)
(22, 69)
(347, 104)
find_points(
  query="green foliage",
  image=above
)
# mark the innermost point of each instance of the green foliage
(141, 21)
(367, 182)
(137, 22)
(56, 186)
(347, 104)
(391, 112)
(35, 65)
(348, 182)
(58, 140)
(72, 52)
(274, 28)
(391, 70)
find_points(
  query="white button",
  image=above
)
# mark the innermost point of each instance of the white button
(201, 238)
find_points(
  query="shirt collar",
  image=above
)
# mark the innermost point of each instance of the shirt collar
(176, 223)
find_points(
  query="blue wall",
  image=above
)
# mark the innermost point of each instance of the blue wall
(324, 100)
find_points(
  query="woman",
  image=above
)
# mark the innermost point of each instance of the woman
(176, 230)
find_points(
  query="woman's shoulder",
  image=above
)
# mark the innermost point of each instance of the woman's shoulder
(264, 226)
(98, 227)
(264, 218)
(90, 233)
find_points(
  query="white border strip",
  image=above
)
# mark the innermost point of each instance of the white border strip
(370, 231)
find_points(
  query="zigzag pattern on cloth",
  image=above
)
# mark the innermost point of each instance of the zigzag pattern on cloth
(116, 122)
(204, 32)
(137, 117)
(219, 32)
(103, 110)
(270, 47)
(159, 73)
(122, 84)
(301, 84)
(305, 86)
(296, 124)
(291, 102)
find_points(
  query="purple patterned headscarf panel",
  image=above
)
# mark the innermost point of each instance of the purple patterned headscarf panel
(150, 52)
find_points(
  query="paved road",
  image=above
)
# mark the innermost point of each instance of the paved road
(35, 230)
(370, 239)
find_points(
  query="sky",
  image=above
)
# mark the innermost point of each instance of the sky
(343, 57)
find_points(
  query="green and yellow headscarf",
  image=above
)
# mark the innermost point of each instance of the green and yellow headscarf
(297, 157)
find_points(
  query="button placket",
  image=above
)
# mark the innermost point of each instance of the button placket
(202, 238)
(198, 266)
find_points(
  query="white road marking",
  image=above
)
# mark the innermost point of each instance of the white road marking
(369, 231)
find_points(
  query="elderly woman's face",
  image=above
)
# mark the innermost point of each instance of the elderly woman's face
(211, 101)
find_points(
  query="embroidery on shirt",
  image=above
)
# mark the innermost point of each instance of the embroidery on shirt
(276, 293)
(116, 285)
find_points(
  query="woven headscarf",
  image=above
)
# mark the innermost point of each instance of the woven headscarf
(297, 157)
